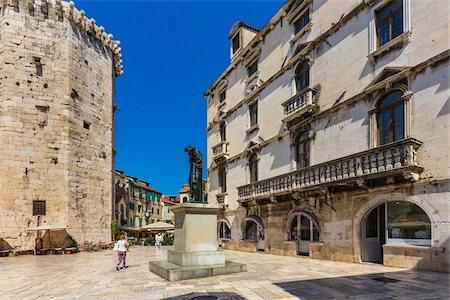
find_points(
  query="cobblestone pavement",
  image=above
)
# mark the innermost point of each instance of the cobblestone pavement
(93, 276)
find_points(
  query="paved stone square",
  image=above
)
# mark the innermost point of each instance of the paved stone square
(92, 275)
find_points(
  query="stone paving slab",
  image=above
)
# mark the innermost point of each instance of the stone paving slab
(92, 275)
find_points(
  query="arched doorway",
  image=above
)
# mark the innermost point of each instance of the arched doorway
(253, 230)
(394, 222)
(303, 229)
(223, 232)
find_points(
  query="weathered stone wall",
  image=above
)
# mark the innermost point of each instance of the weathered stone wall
(56, 124)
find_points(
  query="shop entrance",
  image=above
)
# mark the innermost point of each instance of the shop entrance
(374, 235)
(303, 230)
(394, 222)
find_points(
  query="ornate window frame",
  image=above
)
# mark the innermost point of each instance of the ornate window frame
(373, 112)
(294, 150)
(299, 9)
(399, 41)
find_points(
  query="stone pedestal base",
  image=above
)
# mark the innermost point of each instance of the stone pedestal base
(195, 254)
(198, 258)
(174, 272)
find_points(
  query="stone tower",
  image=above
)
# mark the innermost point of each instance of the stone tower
(57, 74)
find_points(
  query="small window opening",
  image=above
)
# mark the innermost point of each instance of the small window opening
(38, 208)
(252, 69)
(44, 9)
(235, 43)
(222, 96)
(38, 64)
(86, 125)
(31, 9)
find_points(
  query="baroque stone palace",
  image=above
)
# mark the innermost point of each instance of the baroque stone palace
(328, 133)
(57, 73)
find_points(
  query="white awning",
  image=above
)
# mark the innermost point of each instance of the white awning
(48, 227)
(158, 226)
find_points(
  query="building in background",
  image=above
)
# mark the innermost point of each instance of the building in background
(168, 202)
(328, 133)
(57, 81)
(184, 193)
(137, 204)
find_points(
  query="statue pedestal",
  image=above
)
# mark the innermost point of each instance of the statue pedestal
(195, 253)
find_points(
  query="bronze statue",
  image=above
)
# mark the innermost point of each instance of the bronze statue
(195, 175)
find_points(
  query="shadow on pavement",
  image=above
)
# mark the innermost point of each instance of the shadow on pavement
(410, 283)
(208, 296)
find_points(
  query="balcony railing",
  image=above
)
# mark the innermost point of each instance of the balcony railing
(220, 149)
(386, 160)
(299, 103)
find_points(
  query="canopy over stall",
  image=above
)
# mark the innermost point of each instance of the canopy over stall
(48, 228)
(158, 226)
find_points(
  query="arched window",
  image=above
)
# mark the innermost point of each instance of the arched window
(302, 76)
(391, 118)
(304, 228)
(253, 167)
(301, 150)
(224, 231)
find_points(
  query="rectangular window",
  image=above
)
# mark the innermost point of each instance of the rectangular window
(301, 22)
(38, 208)
(252, 69)
(157, 211)
(153, 211)
(139, 208)
(140, 222)
(253, 111)
(389, 22)
(132, 206)
(86, 125)
(222, 178)
(38, 64)
(235, 43)
(31, 9)
(44, 9)
(222, 96)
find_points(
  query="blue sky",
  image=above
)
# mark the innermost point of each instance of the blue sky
(172, 52)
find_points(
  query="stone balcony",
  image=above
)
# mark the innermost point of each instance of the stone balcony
(387, 163)
(220, 150)
(298, 105)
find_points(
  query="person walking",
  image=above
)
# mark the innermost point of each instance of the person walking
(122, 245)
(158, 240)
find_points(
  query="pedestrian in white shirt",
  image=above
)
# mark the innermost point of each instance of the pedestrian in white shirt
(122, 245)
(158, 240)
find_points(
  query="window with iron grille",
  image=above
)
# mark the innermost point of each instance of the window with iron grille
(389, 22)
(38, 208)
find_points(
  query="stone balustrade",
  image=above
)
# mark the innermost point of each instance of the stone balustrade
(220, 149)
(300, 101)
(387, 160)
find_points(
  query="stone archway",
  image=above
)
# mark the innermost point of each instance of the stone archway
(253, 229)
(223, 231)
(375, 202)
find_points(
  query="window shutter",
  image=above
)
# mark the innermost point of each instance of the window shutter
(406, 16)
(372, 34)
